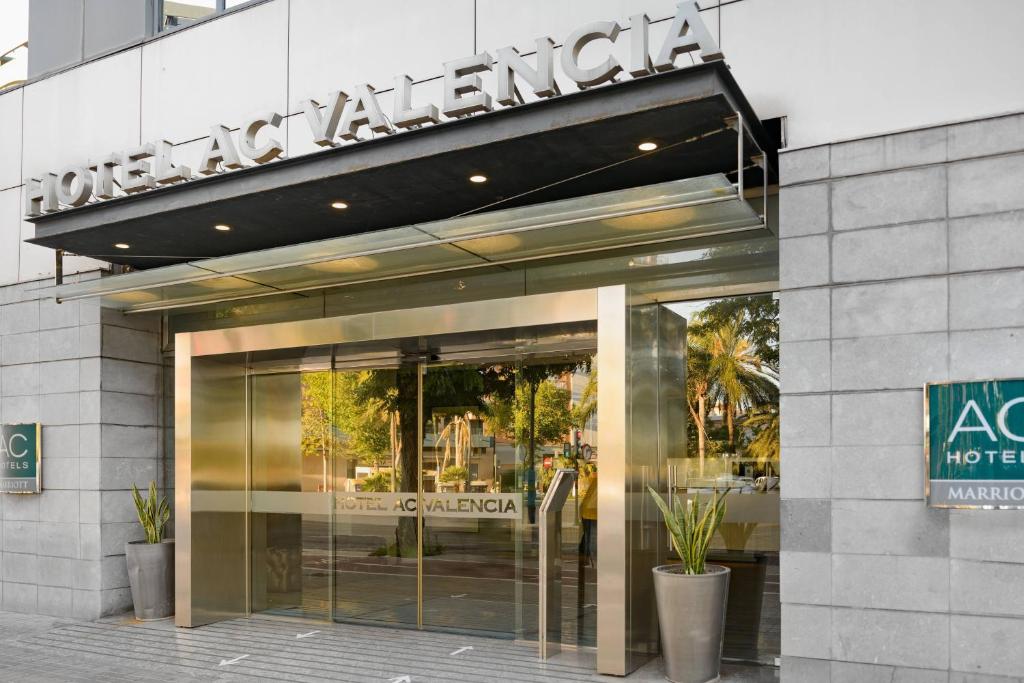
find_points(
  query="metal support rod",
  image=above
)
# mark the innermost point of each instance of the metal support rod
(671, 471)
(764, 182)
(739, 153)
(759, 160)
(549, 520)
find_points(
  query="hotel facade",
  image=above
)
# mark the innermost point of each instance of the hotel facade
(341, 279)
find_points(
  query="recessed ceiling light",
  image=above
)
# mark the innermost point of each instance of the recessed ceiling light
(122, 245)
(478, 179)
(648, 146)
(339, 205)
(222, 227)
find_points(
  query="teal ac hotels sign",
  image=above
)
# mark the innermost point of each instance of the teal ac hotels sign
(20, 461)
(974, 444)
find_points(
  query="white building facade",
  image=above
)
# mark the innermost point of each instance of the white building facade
(900, 239)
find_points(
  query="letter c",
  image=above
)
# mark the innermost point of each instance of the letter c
(574, 44)
(24, 451)
(247, 140)
(1001, 419)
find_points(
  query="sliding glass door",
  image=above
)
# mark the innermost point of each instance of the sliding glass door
(376, 475)
(400, 487)
(473, 504)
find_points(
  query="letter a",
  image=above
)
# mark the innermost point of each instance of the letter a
(688, 33)
(983, 427)
(219, 150)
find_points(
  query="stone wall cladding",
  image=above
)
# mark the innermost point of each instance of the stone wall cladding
(902, 262)
(93, 378)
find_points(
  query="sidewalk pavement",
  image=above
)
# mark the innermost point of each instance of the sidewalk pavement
(37, 648)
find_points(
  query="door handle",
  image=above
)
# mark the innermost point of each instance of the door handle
(645, 532)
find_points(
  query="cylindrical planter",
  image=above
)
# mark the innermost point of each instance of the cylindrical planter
(151, 576)
(691, 613)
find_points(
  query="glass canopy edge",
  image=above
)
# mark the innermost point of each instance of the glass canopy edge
(680, 209)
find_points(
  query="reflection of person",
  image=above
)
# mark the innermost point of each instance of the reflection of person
(588, 515)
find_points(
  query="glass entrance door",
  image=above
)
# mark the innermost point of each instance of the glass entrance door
(474, 560)
(497, 426)
(400, 487)
(376, 478)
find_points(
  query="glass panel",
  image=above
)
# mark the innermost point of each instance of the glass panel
(733, 444)
(14, 45)
(556, 420)
(668, 271)
(360, 268)
(473, 504)
(496, 428)
(376, 470)
(185, 12)
(198, 291)
(340, 247)
(591, 208)
(580, 622)
(692, 269)
(686, 208)
(613, 232)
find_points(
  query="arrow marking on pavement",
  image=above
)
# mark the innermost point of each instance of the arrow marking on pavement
(402, 679)
(460, 595)
(460, 651)
(589, 605)
(305, 635)
(225, 662)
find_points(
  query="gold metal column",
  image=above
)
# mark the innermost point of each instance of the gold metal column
(183, 480)
(612, 505)
(211, 503)
(642, 363)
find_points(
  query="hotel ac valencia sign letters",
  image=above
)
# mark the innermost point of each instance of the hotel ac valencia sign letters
(974, 444)
(342, 114)
(488, 505)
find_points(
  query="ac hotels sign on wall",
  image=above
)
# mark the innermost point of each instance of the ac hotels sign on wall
(974, 443)
(20, 458)
(341, 115)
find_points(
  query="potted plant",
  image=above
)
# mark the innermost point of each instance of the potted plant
(692, 596)
(151, 562)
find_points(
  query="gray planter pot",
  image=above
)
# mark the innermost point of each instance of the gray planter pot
(691, 613)
(151, 576)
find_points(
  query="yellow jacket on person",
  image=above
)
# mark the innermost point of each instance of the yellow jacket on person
(588, 506)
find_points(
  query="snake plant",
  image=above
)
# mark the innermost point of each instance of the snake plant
(153, 514)
(691, 526)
